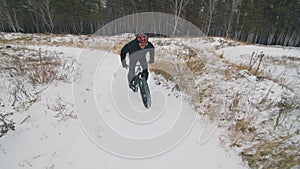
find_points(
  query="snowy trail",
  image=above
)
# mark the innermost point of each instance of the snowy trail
(113, 124)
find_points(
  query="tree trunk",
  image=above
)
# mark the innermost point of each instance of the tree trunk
(211, 13)
(292, 39)
(270, 39)
(179, 6)
(18, 27)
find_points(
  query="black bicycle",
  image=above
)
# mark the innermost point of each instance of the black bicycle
(141, 82)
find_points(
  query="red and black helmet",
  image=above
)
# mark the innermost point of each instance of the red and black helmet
(142, 38)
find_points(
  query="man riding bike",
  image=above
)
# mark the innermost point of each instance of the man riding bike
(137, 49)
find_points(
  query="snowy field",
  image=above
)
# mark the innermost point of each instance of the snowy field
(216, 103)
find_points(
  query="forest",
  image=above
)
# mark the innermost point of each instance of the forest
(268, 22)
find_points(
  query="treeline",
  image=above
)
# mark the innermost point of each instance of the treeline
(51, 16)
(272, 22)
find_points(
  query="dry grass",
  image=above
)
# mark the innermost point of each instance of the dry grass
(235, 102)
(5, 124)
(63, 109)
(262, 148)
(44, 39)
(227, 42)
(288, 61)
(254, 71)
(275, 154)
(39, 69)
(241, 131)
(28, 70)
(260, 151)
(292, 58)
(117, 48)
(198, 98)
(163, 73)
(192, 60)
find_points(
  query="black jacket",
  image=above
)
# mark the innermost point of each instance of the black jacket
(133, 46)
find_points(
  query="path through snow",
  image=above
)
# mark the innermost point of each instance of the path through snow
(113, 125)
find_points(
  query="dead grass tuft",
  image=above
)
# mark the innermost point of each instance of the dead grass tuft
(192, 60)
(163, 73)
(63, 109)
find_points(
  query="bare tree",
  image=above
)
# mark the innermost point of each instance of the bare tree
(7, 15)
(17, 25)
(234, 11)
(179, 5)
(47, 14)
(35, 20)
(211, 12)
(41, 13)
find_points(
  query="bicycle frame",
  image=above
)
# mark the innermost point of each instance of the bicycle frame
(143, 85)
(138, 69)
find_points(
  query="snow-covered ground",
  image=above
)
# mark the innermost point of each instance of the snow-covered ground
(216, 112)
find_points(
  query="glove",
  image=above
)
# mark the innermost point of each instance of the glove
(124, 64)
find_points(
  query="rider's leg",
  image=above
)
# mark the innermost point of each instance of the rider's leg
(131, 72)
(144, 64)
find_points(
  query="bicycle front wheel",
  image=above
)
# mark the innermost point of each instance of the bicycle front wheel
(145, 92)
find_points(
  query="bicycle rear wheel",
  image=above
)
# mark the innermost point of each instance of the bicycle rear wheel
(145, 92)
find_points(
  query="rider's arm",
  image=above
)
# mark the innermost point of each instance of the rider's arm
(124, 50)
(151, 51)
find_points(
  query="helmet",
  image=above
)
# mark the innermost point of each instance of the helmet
(142, 38)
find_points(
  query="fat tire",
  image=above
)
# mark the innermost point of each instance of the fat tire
(145, 92)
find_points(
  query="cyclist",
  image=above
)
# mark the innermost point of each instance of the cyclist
(137, 49)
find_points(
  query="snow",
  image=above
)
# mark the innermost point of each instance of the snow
(44, 142)
(97, 122)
